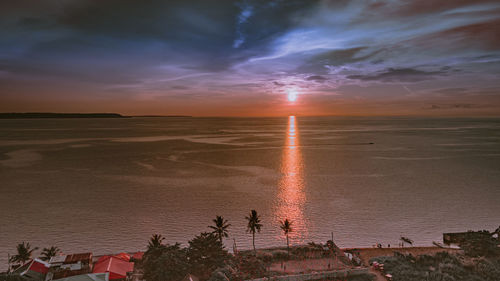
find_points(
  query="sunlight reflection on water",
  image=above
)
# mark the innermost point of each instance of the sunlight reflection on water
(291, 197)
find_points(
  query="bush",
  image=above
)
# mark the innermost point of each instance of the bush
(442, 266)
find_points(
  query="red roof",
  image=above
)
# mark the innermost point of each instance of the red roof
(123, 256)
(39, 267)
(116, 267)
(74, 258)
(138, 255)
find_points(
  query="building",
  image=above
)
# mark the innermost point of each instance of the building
(70, 265)
(35, 270)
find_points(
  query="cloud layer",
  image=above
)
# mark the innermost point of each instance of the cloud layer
(231, 57)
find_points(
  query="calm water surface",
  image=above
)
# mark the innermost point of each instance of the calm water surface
(106, 185)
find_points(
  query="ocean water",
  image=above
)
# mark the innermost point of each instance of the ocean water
(106, 185)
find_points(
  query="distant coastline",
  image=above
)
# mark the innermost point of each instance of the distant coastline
(161, 116)
(35, 115)
(30, 115)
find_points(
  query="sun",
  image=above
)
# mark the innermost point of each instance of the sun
(292, 95)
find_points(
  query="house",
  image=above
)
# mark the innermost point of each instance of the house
(138, 256)
(78, 261)
(34, 270)
(70, 265)
(115, 266)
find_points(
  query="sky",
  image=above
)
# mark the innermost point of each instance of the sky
(245, 58)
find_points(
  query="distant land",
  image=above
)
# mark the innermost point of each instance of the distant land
(160, 116)
(26, 115)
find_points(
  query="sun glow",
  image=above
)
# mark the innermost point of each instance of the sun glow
(292, 95)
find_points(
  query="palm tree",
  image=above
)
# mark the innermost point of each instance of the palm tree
(220, 228)
(48, 253)
(24, 253)
(286, 226)
(155, 242)
(253, 226)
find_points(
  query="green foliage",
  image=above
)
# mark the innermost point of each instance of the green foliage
(225, 273)
(10, 277)
(220, 227)
(165, 263)
(24, 253)
(205, 254)
(442, 266)
(481, 244)
(250, 267)
(48, 253)
(155, 242)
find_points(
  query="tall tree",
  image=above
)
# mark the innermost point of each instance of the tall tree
(253, 226)
(220, 227)
(48, 253)
(165, 263)
(155, 242)
(286, 226)
(205, 253)
(24, 253)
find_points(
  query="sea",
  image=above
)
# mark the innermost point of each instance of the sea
(106, 185)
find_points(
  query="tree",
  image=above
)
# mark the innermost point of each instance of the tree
(220, 227)
(286, 226)
(406, 240)
(48, 253)
(165, 263)
(205, 254)
(253, 226)
(155, 242)
(24, 253)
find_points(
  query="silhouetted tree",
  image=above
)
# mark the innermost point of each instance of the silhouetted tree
(286, 226)
(155, 246)
(165, 263)
(48, 253)
(205, 254)
(220, 227)
(24, 253)
(253, 226)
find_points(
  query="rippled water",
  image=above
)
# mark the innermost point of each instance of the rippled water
(106, 185)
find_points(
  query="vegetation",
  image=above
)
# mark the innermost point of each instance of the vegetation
(206, 254)
(11, 277)
(253, 226)
(286, 226)
(165, 263)
(442, 266)
(220, 227)
(155, 242)
(48, 253)
(24, 253)
(482, 243)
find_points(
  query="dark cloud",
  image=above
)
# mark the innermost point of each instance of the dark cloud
(399, 75)
(317, 78)
(452, 106)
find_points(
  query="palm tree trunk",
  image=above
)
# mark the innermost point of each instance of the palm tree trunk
(253, 242)
(287, 246)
